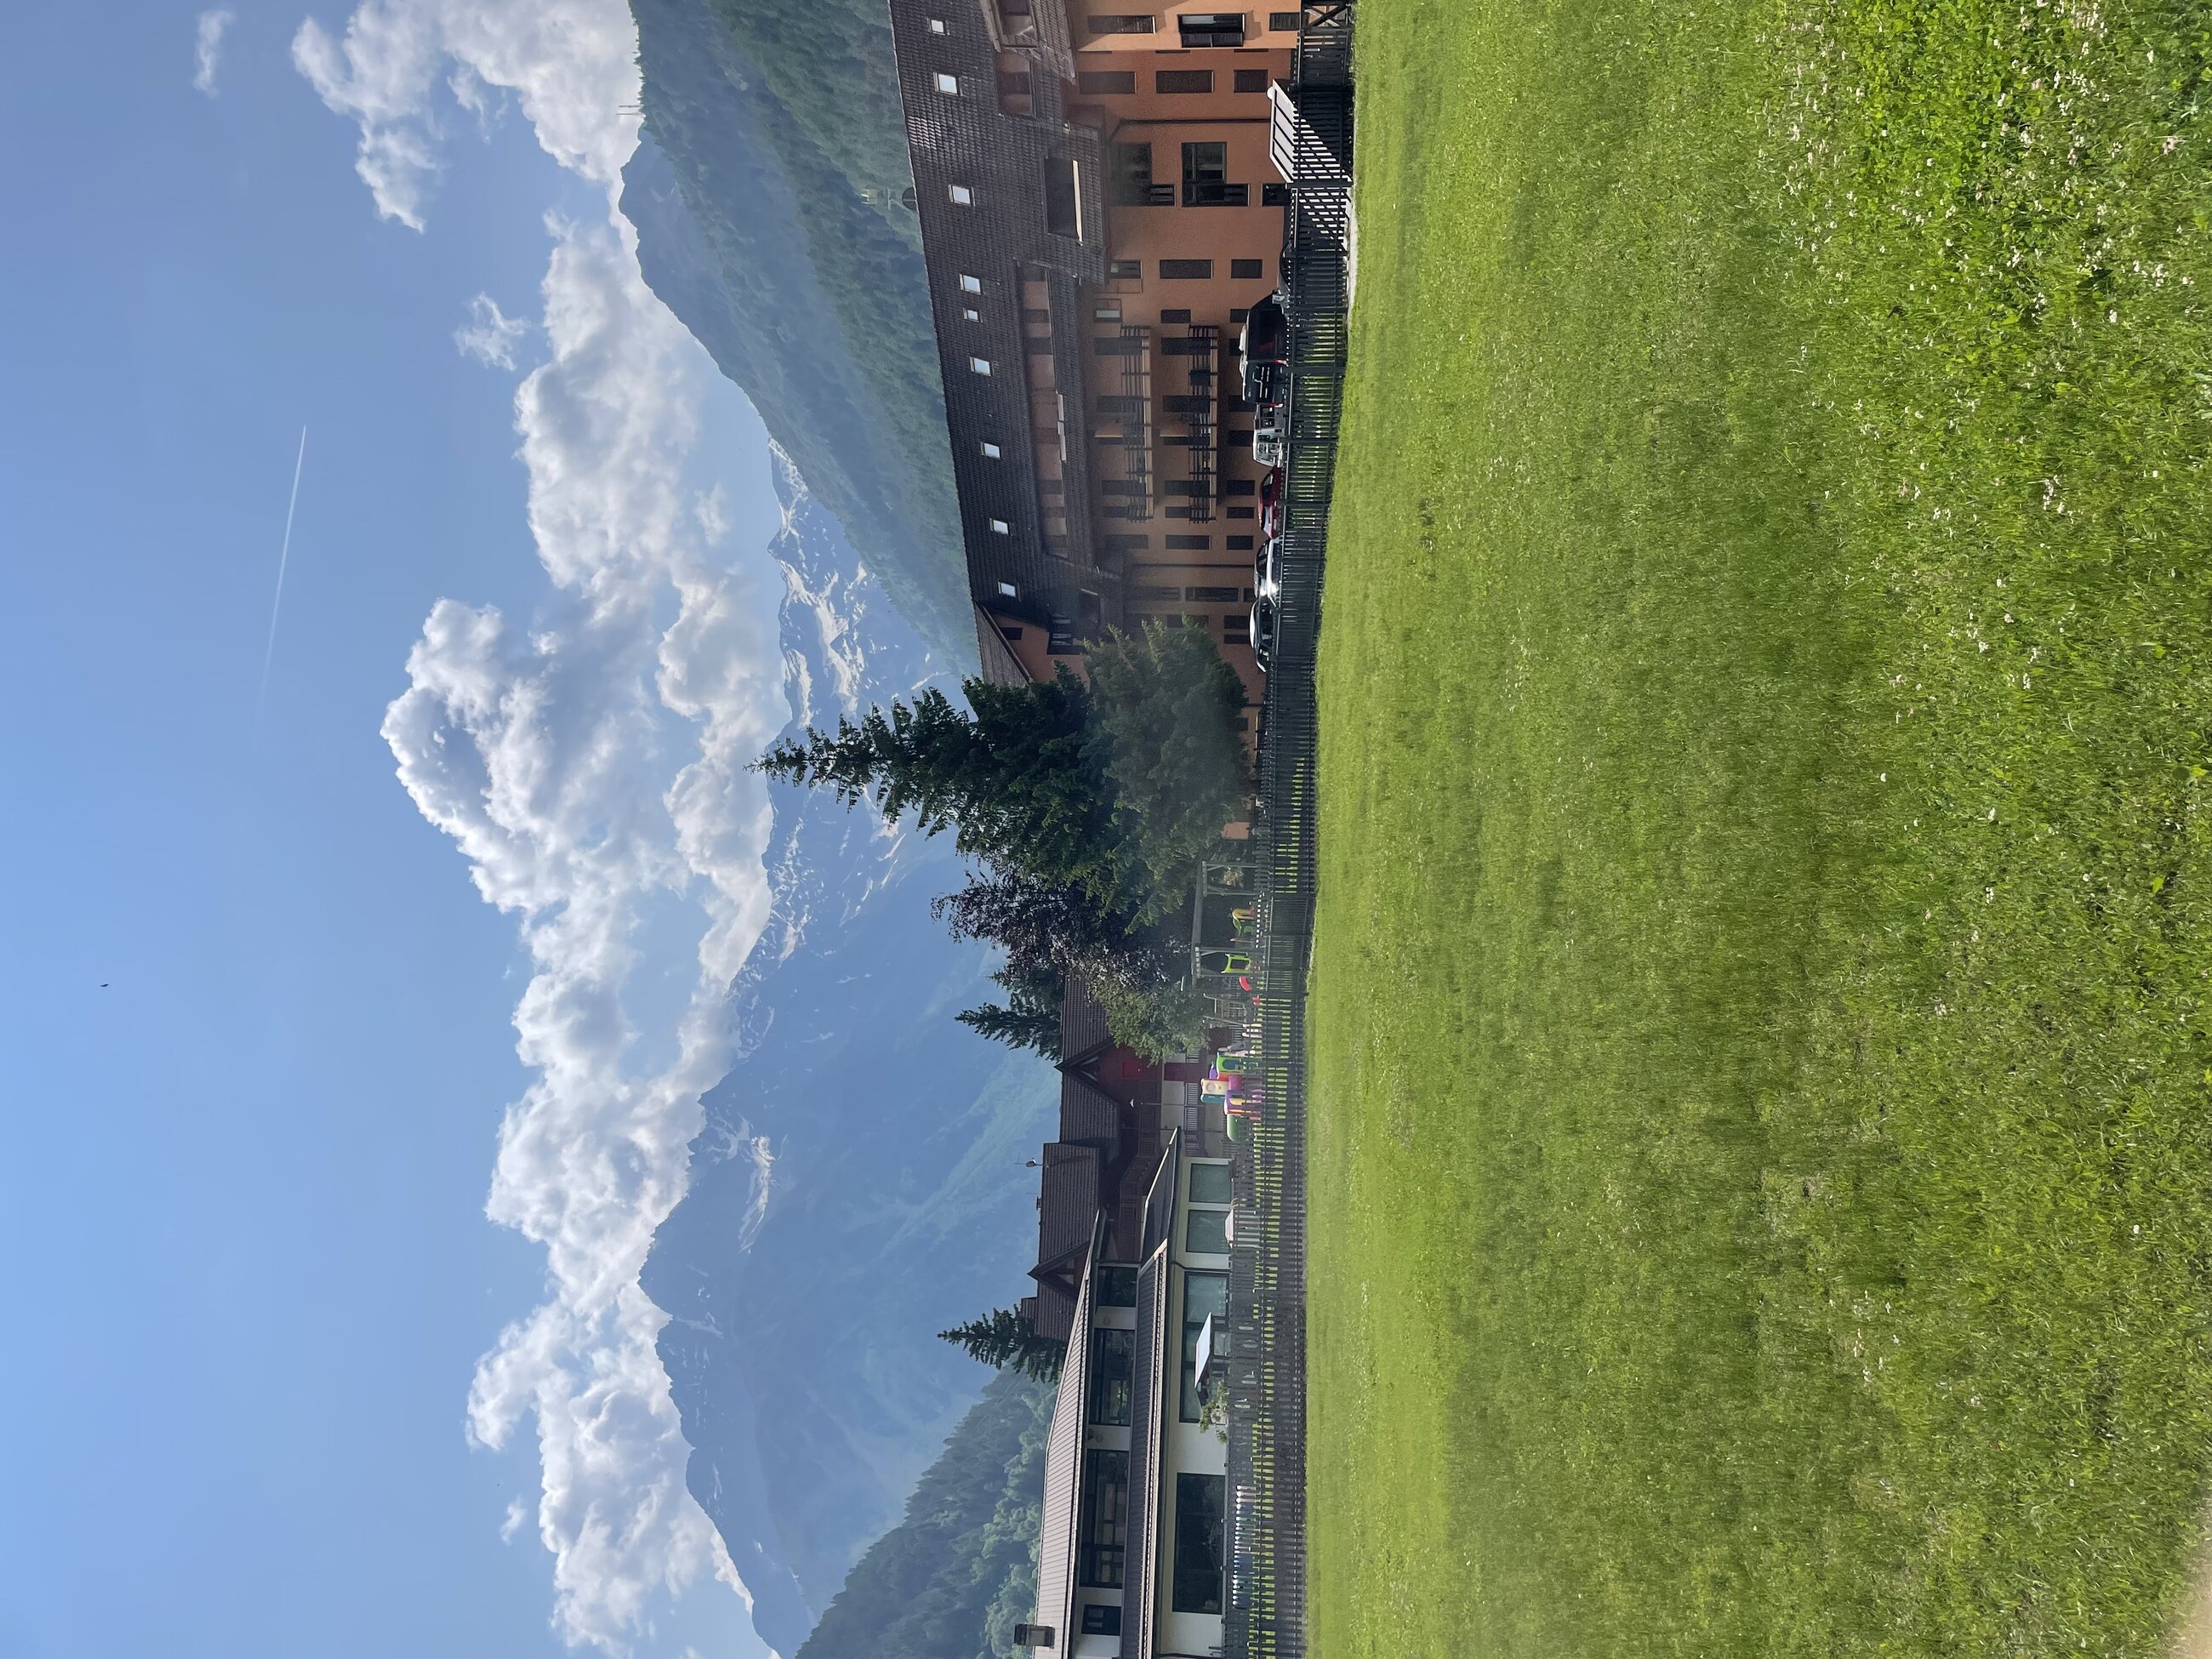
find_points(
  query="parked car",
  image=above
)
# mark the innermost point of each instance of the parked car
(1263, 632)
(1266, 580)
(1263, 351)
(1270, 425)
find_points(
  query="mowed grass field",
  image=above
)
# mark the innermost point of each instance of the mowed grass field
(1762, 1098)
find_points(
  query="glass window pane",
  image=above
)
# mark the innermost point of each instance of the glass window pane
(1209, 1183)
(1203, 1295)
(1116, 1286)
(1104, 1533)
(1207, 1233)
(1113, 1365)
(1200, 1535)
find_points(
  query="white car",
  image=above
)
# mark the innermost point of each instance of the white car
(1270, 425)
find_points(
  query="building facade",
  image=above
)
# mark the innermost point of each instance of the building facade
(1098, 212)
(1133, 1233)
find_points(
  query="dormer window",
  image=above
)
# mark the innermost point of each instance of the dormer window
(948, 84)
(960, 195)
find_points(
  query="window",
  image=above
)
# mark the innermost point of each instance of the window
(1239, 543)
(1251, 80)
(1207, 1233)
(1131, 344)
(1006, 589)
(990, 450)
(1237, 316)
(1001, 527)
(1175, 314)
(1209, 1182)
(1237, 630)
(1186, 270)
(1245, 269)
(1188, 543)
(1206, 176)
(1283, 22)
(1123, 23)
(1116, 1287)
(1239, 437)
(1211, 28)
(1199, 1555)
(1204, 1295)
(1209, 596)
(1241, 486)
(1156, 594)
(1102, 1533)
(960, 195)
(1275, 195)
(936, 26)
(1097, 80)
(969, 314)
(1063, 198)
(1132, 178)
(1182, 80)
(1187, 345)
(1126, 270)
(971, 284)
(1099, 1618)
(1113, 1370)
(979, 365)
(950, 84)
(1014, 83)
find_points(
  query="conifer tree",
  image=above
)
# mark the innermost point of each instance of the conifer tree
(1003, 1339)
(1030, 1017)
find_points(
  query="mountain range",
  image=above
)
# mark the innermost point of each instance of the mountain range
(768, 195)
(860, 1181)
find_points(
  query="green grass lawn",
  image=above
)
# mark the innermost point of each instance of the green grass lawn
(1762, 1157)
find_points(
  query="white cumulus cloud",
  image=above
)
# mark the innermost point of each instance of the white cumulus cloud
(207, 55)
(490, 335)
(590, 766)
(571, 64)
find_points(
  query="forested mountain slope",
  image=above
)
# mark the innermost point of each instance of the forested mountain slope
(766, 194)
(950, 1581)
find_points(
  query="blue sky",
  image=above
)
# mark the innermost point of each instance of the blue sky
(246, 1185)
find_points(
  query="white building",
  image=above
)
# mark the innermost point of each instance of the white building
(1132, 1554)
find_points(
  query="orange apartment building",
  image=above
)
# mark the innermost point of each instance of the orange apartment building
(1098, 211)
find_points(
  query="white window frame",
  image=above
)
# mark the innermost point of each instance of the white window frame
(971, 284)
(1001, 527)
(960, 195)
(979, 365)
(948, 84)
(991, 451)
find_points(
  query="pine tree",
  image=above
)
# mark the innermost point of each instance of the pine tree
(1030, 1017)
(1003, 1339)
(1021, 778)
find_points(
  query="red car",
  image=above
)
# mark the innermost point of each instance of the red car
(1271, 504)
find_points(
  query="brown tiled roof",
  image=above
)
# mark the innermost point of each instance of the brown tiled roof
(1087, 1114)
(1068, 1207)
(1147, 1415)
(1083, 1031)
(999, 665)
(1063, 1480)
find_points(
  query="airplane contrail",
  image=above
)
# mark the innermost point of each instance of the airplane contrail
(283, 558)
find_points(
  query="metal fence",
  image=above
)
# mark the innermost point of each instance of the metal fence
(1266, 1611)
